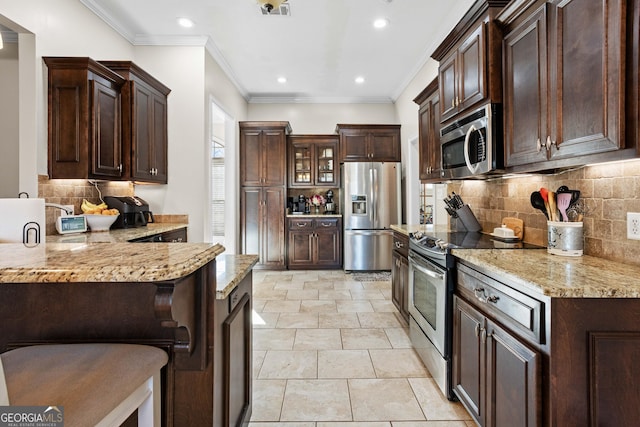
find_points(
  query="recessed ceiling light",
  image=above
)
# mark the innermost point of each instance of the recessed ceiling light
(185, 22)
(359, 80)
(380, 22)
(282, 80)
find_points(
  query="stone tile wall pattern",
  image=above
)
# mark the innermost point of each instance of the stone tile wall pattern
(72, 191)
(609, 191)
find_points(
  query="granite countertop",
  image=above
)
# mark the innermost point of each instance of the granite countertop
(99, 262)
(557, 276)
(119, 235)
(230, 270)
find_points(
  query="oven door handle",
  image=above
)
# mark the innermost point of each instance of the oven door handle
(467, 160)
(423, 269)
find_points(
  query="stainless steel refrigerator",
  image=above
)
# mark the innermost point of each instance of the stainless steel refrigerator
(371, 201)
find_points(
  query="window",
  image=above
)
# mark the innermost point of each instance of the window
(221, 222)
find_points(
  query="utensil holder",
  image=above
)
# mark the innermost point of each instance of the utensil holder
(565, 238)
(468, 219)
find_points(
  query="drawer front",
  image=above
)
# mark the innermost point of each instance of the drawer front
(510, 307)
(300, 224)
(401, 244)
(326, 223)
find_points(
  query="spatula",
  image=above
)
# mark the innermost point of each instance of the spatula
(545, 196)
(563, 200)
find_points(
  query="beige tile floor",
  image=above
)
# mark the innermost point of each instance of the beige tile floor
(330, 351)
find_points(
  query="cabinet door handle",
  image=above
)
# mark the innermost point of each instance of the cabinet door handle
(484, 336)
(538, 145)
(481, 294)
(550, 143)
(477, 329)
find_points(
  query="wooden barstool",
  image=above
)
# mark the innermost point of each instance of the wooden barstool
(96, 384)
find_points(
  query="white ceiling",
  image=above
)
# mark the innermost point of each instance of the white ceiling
(320, 48)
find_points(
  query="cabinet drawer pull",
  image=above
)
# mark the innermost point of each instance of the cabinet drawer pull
(481, 294)
(326, 224)
(301, 224)
(399, 245)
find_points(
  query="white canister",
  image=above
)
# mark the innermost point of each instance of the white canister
(565, 238)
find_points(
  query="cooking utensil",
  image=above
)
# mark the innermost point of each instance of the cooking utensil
(563, 189)
(545, 196)
(564, 199)
(553, 215)
(538, 203)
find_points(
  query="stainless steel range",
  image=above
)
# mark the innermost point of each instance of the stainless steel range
(431, 286)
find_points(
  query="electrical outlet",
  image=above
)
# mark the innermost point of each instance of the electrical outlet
(69, 208)
(633, 225)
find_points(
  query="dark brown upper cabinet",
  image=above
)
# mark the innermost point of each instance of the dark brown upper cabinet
(84, 119)
(469, 72)
(263, 153)
(429, 151)
(314, 161)
(369, 143)
(144, 124)
(564, 80)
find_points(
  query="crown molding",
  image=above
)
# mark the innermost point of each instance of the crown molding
(271, 99)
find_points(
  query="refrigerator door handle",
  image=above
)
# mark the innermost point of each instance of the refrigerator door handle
(372, 204)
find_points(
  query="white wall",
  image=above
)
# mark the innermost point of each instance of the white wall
(323, 118)
(221, 90)
(9, 135)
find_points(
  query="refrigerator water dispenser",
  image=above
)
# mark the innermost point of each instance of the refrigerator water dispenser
(358, 205)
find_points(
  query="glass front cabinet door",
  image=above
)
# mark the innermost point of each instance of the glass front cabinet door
(313, 161)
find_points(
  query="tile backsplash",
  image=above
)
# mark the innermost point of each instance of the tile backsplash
(609, 191)
(72, 191)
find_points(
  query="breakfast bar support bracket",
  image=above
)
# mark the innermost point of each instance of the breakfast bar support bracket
(180, 305)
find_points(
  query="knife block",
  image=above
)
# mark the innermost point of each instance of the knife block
(468, 219)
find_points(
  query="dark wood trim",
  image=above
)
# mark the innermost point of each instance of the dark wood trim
(427, 91)
(468, 20)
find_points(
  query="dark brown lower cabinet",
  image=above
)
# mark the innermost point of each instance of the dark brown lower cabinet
(233, 357)
(262, 225)
(400, 274)
(495, 375)
(521, 358)
(315, 243)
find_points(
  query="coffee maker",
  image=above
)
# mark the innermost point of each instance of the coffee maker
(134, 212)
(329, 206)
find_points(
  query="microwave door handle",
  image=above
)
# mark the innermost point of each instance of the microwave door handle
(472, 168)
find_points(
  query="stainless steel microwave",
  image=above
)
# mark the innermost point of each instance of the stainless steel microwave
(472, 146)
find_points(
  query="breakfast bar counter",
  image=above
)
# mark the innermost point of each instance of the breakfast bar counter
(179, 297)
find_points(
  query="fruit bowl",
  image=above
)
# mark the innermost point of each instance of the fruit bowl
(100, 222)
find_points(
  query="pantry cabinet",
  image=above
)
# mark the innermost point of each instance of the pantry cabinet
(315, 243)
(313, 161)
(469, 58)
(429, 148)
(564, 64)
(262, 232)
(369, 143)
(144, 124)
(263, 153)
(84, 119)
(263, 192)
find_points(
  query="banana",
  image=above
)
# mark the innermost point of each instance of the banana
(91, 208)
